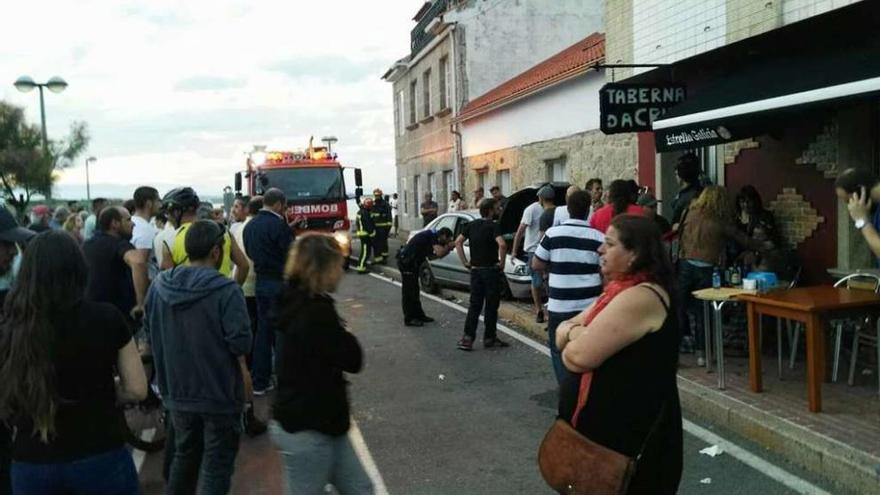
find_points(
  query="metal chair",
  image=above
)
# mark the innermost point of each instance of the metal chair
(862, 333)
(838, 327)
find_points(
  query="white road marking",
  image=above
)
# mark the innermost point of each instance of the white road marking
(140, 455)
(363, 453)
(512, 333)
(770, 470)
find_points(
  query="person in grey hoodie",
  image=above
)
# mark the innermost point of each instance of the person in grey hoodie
(200, 332)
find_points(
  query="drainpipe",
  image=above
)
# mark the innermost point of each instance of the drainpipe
(458, 162)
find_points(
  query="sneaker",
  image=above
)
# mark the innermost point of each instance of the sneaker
(259, 392)
(413, 323)
(466, 343)
(540, 317)
(252, 424)
(427, 319)
(496, 342)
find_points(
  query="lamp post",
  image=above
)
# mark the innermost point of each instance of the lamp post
(55, 85)
(88, 187)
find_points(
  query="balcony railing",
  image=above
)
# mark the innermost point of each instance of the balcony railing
(419, 38)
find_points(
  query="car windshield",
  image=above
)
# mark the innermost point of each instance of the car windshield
(305, 183)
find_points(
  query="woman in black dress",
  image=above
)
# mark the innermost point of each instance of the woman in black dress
(623, 355)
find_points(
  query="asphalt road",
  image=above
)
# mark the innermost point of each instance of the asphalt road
(437, 420)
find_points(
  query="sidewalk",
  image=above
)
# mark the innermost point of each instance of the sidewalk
(842, 443)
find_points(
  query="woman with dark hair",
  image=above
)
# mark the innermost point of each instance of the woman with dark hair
(622, 353)
(621, 199)
(58, 354)
(312, 411)
(750, 212)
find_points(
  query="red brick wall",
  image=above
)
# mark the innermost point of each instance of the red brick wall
(770, 168)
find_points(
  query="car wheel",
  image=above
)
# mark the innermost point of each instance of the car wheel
(426, 277)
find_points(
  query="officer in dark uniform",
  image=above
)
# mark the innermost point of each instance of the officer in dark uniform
(382, 219)
(366, 232)
(425, 244)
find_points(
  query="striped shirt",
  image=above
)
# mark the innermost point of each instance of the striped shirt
(571, 250)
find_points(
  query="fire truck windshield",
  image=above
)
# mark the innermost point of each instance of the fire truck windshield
(305, 183)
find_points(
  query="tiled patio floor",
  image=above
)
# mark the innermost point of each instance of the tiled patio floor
(850, 415)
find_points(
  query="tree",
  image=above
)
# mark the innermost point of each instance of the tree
(25, 169)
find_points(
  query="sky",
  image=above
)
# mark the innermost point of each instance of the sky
(176, 91)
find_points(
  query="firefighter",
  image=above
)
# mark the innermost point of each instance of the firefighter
(366, 232)
(426, 244)
(381, 215)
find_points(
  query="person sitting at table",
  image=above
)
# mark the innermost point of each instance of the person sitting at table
(860, 190)
(706, 229)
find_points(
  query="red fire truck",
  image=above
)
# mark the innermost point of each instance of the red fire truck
(313, 181)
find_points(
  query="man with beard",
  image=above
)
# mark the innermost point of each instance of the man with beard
(117, 271)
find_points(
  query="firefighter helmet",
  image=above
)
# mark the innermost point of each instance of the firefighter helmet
(367, 202)
(182, 198)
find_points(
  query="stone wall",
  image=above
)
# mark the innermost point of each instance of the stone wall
(586, 155)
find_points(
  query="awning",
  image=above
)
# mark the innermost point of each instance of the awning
(761, 84)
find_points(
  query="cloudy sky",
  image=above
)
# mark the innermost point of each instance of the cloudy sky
(175, 91)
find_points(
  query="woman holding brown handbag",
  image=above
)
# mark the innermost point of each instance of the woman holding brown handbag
(619, 427)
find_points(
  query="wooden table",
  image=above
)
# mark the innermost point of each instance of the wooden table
(713, 301)
(808, 305)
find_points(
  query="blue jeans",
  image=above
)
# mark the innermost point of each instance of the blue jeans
(691, 278)
(312, 460)
(205, 446)
(266, 292)
(109, 473)
(555, 356)
(536, 276)
(485, 289)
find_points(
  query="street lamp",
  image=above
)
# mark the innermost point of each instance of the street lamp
(88, 187)
(55, 85)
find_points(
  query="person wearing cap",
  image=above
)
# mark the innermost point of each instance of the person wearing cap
(649, 205)
(527, 237)
(381, 214)
(40, 218)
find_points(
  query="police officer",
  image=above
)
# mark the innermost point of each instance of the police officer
(382, 219)
(366, 232)
(425, 244)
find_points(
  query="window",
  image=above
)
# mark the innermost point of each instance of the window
(448, 187)
(556, 170)
(412, 102)
(405, 197)
(417, 187)
(401, 113)
(448, 221)
(481, 181)
(426, 90)
(444, 83)
(504, 181)
(432, 185)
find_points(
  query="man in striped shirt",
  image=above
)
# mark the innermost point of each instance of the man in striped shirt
(570, 253)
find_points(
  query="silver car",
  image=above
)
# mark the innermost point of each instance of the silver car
(449, 270)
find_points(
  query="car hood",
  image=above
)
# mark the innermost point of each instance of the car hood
(517, 203)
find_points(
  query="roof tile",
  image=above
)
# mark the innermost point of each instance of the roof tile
(570, 62)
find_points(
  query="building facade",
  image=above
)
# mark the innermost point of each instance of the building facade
(543, 126)
(458, 50)
(780, 95)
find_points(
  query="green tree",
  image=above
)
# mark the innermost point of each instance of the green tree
(24, 169)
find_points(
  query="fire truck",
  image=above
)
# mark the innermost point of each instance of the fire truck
(313, 182)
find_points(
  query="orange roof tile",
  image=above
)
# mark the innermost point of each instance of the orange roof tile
(572, 61)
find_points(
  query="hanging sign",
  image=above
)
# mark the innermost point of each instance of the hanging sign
(631, 107)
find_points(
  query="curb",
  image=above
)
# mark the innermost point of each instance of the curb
(849, 468)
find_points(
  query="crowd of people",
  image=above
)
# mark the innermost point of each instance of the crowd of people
(216, 302)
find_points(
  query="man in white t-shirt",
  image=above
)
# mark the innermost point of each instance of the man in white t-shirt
(146, 205)
(528, 236)
(238, 215)
(393, 203)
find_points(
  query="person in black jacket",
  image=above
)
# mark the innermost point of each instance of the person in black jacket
(382, 219)
(311, 411)
(267, 238)
(365, 232)
(426, 244)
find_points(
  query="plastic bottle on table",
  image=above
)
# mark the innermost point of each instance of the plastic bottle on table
(716, 278)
